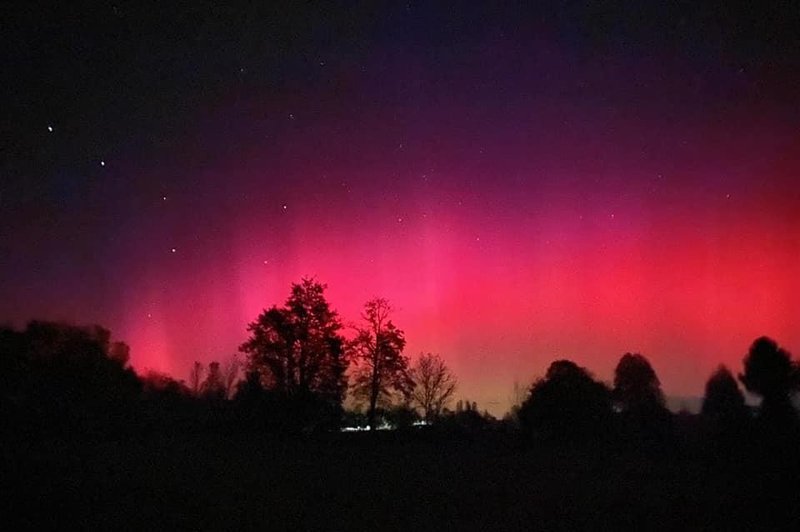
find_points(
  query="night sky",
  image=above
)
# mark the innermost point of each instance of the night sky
(523, 184)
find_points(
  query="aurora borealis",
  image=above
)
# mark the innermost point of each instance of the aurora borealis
(522, 184)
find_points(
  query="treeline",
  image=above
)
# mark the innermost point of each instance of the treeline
(300, 369)
(568, 405)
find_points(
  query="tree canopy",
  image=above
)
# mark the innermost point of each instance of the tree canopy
(636, 385)
(567, 404)
(297, 349)
(769, 372)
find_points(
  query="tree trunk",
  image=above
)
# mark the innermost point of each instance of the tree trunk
(373, 404)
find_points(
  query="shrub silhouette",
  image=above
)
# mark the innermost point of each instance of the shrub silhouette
(568, 404)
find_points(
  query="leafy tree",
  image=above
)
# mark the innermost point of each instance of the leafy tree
(434, 385)
(723, 399)
(59, 376)
(770, 373)
(568, 404)
(381, 367)
(640, 401)
(724, 411)
(636, 385)
(297, 351)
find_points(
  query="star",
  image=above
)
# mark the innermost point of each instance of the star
(163, 198)
(50, 128)
(173, 250)
(284, 206)
(400, 220)
(102, 163)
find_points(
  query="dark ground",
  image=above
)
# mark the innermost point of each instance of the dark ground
(389, 482)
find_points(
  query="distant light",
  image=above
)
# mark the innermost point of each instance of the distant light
(50, 129)
(174, 250)
(163, 198)
(102, 163)
(284, 206)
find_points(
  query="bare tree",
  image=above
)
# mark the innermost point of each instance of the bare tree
(519, 393)
(381, 367)
(214, 386)
(230, 376)
(434, 386)
(196, 377)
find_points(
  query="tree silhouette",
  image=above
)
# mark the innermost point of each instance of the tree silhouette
(155, 383)
(59, 376)
(298, 351)
(770, 373)
(724, 410)
(519, 393)
(636, 385)
(568, 404)
(381, 367)
(434, 385)
(196, 377)
(230, 376)
(638, 397)
(214, 386)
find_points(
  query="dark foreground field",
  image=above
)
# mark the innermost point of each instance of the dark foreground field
(394, 481)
